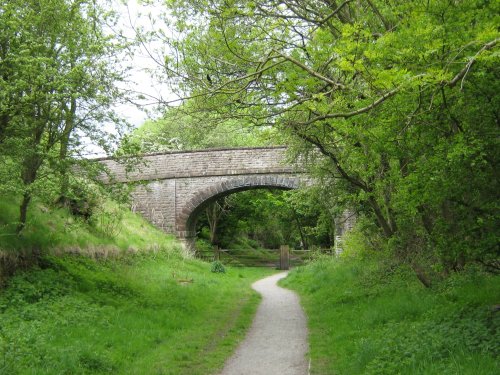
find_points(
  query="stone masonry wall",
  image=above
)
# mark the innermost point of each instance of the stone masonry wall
(214, 162)
(174, 184)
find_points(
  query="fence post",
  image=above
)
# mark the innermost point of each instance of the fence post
(217, 252)
(284, 257)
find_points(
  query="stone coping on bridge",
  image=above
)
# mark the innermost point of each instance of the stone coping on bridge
(170, 152)
(202, 163)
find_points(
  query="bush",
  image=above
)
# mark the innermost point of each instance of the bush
(81, 198)
(218, 267)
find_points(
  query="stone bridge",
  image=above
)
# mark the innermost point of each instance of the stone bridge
(174, 187)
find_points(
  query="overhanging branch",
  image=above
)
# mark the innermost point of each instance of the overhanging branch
(461, 75)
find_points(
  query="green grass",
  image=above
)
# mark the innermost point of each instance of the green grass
(112, 228)
(149, 313)
(368, 319)
(112, 295)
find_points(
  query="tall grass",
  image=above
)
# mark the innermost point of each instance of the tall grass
(367, 318)
(148, 313)
(111, 232)
(49, 228)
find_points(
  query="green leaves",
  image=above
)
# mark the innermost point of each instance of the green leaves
(400, 98)
(58, 70)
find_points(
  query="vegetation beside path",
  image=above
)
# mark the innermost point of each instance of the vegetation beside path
(113, 296)
(148, 313)
(370, 317)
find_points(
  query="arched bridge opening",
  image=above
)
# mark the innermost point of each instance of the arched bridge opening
(186, 221)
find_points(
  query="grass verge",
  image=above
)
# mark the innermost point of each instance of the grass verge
(148, 313)
(111, 227)
(111, 232)
(365, 318)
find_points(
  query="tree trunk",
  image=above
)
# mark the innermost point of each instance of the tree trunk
(384, 224)
(213, 220)
(23, 212)
(31, 164)
(214, 212)
(63, 151)
(299, 227)
(421, 275)
(426, 219)
(387, 194)
(28, 176)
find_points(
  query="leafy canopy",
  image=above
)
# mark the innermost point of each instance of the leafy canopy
(400, 99)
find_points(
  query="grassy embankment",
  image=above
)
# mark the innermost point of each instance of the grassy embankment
(111, 229)
(365, 318)
(140, 308)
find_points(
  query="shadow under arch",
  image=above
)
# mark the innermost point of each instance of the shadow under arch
(186, 220)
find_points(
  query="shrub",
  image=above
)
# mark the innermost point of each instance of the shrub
(81, 198)
(218, 267)
(107, 219)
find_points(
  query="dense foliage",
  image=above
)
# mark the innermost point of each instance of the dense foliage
(59, 69)
(395, 103)
(371, 317)
(267, 218)
(178, 129)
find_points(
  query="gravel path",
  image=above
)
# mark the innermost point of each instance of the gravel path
(277, 341)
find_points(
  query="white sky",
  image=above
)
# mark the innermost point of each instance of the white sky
(133, 15)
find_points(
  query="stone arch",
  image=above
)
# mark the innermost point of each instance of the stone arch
(186, 219)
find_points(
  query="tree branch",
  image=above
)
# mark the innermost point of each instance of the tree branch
(354, 113)
(311, 71)
(355, 182)
(332, 14)
(461, 75)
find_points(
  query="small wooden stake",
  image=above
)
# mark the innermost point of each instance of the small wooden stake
(284, 257)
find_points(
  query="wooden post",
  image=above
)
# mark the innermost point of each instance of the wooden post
(284, 257)
(217, 252)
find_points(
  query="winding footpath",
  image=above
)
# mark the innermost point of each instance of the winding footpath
(277, 341)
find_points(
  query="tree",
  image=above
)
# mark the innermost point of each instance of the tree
(59, 66)
(268, 218)
(214, 213)
(183, 128)
(400, 99)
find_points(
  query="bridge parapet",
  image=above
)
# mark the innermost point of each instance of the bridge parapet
(204, 163)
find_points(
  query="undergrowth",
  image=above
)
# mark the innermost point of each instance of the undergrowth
(144, 313)
(368, 318)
